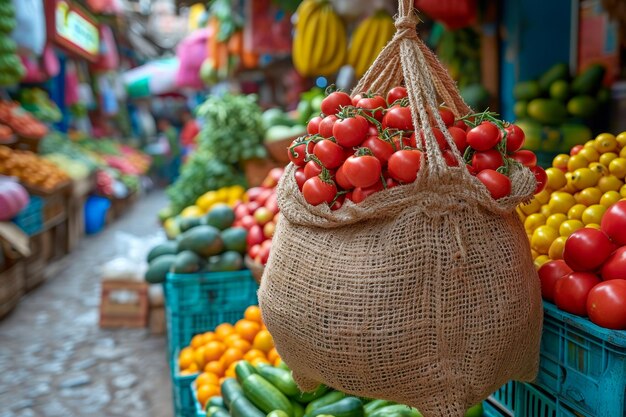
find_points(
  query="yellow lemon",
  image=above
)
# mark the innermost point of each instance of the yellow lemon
(576, 212)
(545, 210)
(590, 154)
(192, 211)
(622, 191)
(599, 169)
(560, 161)
(589, 196)
(555, 220)
(593, 226)
(556, 178)
(544, 196)
(621, 139)
(570, 226)
(556, 248)
(593, 214)
(534, 206)
(540, 260)
(533, 221)
(605, 142)
(542, 238)
(561, 202)
(609, 183)
(606, 158)
(583, 178)
(617, 167)
(609, 198)
(577, 161)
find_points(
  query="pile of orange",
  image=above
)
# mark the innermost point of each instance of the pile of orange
(216, 353)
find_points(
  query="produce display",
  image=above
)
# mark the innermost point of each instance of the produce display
(6, 134)
(31, 169)
(556, 111)
(11, 68)
(75, 169)
(210, 243)
(368, 39)
(57, 143)
(22, 122)
(365, 144)
(39, 104)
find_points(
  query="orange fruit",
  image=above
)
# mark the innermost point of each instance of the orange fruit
(230, 372)
(213, 351)
(253, 353)
(186, 358)
(253, 313)
(231, 356)
(207, 378)
(230, 339)
(197, 341)
(223, 379)
(272, 355)
(278, 361)
(208, 337)
(193, 368)
(257, 361)
(223, 330)
(242, 345)
(199, 357)
(247, 329)
(207, 391)
(214, 367)
(263, 341)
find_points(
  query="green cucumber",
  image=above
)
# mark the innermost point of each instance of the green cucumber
(242, 407)
(265, 396)
(216, 401)
(280, 378)
(298, 409)
(370, 407)
(283, 365)
(277, 413)
(348, 407)
(231, 390)
(243, 369)
(330, 398)
(396, 410)
(307, 397)
(214, 411)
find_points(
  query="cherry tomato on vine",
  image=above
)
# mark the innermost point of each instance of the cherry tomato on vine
(586, 249)
(459, 137)
(342, 180)
(400, 141)
(300, 177)
(606, 304)
(380, 148)
(499, 185)
(312, 169)
(371, 103)
(338, 202)
(334, 102)
(614, 222)
(398, 117)
(396, 93)
(326, 125)
(450, 158)
(351, 131)
(297, 154)
(571, 291)
(313, 127)
(514, 138)
(329, 153)
(447, 116)
(404, 165)
(356, 99)
(360, 194)
(441, 139)
(362, 171)
(525, 157)
(549, 274)
(372, 130)
(460, 124)
(490, 159)
(541, 177)
(484, 136)
(317, 191)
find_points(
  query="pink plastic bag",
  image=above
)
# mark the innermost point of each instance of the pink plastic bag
(191, 53)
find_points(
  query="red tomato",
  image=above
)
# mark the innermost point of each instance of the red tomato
(586, 249)
(264, 254)
(380, 148)
(541, 177)
(403, 165)
(570, 292)
(253, 252)
(471, 169)
(395, 94)
(356, 99)
(334, 102)
(447, 116)
(272, 178)
(525, 157)
(262, 198)
(400, 141)
(255, 235)
(316, 191)
(441, 139)
(459, 138)
(253, 206)
(371, 103)
(268, 230)
(514, 138)
(398, 117)
(351, 131)
(450, 158)
(490, 159)
(615, 265)
(241, 210)
(391, 182)
(338, 203)
(484, 136)
(360, 194)
(326, 126)
(576, 149)
(460, 124)
(329, 153)
(313, 127)
(362, 171)
(614, 223)
(499, 185)
(311, 169)
(372, 131)
(301, 177)
(272, 204)
(341, 179)
(549, 274)
(297, 154)
(606, 304)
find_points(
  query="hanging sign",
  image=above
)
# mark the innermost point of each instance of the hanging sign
(72, 28)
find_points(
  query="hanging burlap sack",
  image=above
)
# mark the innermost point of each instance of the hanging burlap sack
(424, 294)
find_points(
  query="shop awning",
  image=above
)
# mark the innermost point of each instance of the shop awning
(151, 79)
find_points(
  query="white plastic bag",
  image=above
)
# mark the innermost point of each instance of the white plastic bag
(30, 31)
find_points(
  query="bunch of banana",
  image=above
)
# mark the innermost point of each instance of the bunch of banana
(320, 39)
(368, 39)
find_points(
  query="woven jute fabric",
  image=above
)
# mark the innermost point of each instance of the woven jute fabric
(424, 294)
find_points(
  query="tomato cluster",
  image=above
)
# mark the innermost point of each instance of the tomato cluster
(364, 144)
(591, 278)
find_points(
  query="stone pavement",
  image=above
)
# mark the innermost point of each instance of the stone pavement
(55, 361)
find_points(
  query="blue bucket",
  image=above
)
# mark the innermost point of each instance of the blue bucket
(96, 209)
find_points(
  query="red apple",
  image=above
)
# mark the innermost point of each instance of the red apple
(253, 252)
(255, 235)
(253, 206)
(254, 192)
(272, 203)
(248, 221)
(262, 198)
(262, 215)
(268, 229)
(241, 210)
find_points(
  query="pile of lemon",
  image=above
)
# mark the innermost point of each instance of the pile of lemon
(580, 188)
(226, 195)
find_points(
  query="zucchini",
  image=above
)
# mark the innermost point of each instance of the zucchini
(298, 409)
(241, 407)
(231, 390)
(214, 411)
(327, 399)
(265, 395)
(348, 407)
(277, 413)
(216, 401)
(396, 410)
(370, 407)
(244, 369)
(307, 397)
(280, 378)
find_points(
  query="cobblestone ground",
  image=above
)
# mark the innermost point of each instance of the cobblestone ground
(55, 361)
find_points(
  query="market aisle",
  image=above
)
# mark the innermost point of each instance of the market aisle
(54, 359)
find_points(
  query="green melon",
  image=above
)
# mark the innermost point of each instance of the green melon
(203, 240)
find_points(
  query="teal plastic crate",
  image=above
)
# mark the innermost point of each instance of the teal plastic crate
(197, 303)
(199, 412)
(30, 219)
(582, 364)
(182, 396)
(519, 399)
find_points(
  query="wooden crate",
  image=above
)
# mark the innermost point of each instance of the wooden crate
(156, 320)
(257, 169)
(35, 265)
(55, 203)
(11, 287)
(124, 303)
